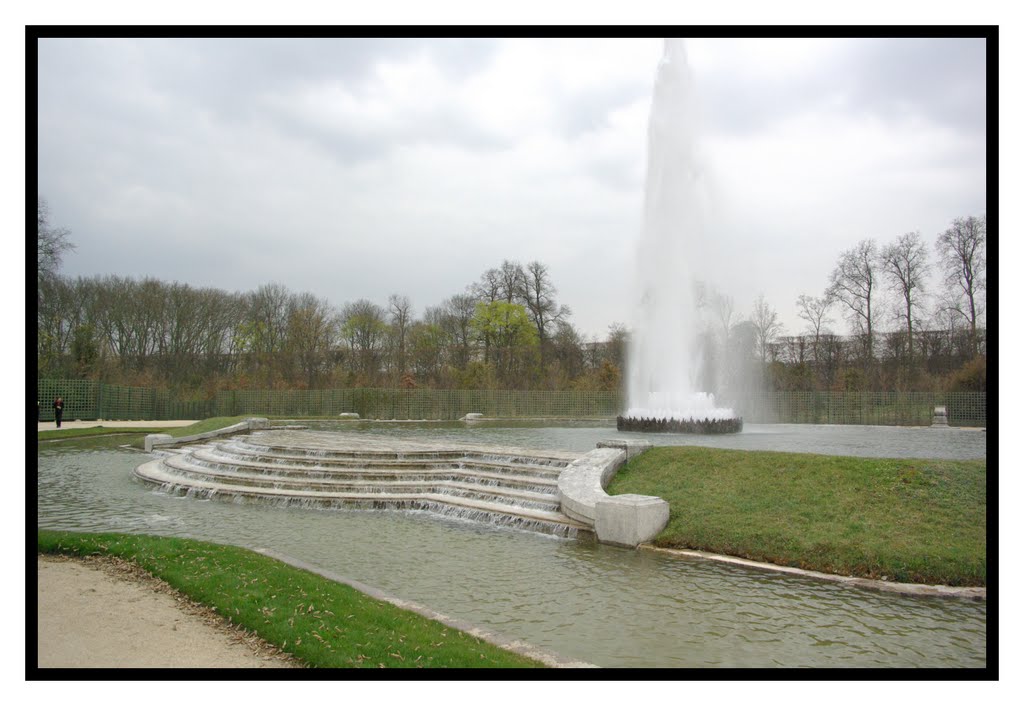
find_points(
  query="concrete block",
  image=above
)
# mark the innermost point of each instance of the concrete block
(348, 415)
(629, 520)
(157, 440)
(472, 416)
(258, 422)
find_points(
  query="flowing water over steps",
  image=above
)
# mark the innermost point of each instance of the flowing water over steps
(504, 486)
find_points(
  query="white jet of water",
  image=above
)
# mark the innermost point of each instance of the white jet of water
(663, 361)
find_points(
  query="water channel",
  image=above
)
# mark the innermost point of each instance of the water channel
(612, 607)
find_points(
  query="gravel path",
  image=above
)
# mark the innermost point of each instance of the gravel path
(105, 612)
(50, 426)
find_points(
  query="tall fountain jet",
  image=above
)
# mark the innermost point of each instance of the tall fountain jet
(664, 364)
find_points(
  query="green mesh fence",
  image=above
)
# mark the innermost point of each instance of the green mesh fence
(880, 408)
(373, 403)
(89, 400)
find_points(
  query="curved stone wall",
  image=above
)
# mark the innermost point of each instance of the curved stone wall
(623, 520)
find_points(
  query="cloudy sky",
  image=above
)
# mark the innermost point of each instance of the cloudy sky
(358, 168)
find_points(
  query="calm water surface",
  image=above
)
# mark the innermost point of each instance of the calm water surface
(610, 606)
(869, 441)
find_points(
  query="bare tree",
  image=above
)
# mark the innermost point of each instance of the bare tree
(568, 346)
(905, 265)
(456, 320)
(539, 296)
(618, 344)
(767, 326)
(814, 310)
(511, 281)
(59, 313)
(853, 283)
(487, 290)
(427, 343)
(961, 250)
(51, 242)
(310, 334)
(400, 313)
(364, 329)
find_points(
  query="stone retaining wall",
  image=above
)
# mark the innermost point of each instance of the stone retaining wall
(623, 520)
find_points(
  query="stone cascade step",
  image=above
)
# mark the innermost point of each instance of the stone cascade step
(445, 484)
(211, 459)
(495, 462)
(504, 487)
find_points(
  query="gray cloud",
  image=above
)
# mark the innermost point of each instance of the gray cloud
(939, 80)
(212, 162)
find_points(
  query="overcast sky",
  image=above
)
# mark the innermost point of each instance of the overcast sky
(360, 168)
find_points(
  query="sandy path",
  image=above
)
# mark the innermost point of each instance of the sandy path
(101, 612)
(65, 424)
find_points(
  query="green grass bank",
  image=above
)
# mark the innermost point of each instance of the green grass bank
(907, 520)
(205, 425)
(320, 622)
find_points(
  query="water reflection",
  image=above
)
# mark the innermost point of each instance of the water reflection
(602, 604)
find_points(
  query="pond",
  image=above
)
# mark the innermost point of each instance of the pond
(609, 606)
(831, 439)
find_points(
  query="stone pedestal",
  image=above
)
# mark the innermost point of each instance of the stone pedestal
(157, 439)
(629, 520)
(939, 419)
(680, 426)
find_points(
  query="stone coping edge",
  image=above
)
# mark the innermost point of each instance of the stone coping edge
(622, 520)
(581, 485)
(519, 647)
(154, 440)
(976, 593)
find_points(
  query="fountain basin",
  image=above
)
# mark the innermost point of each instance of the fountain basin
(680, 426)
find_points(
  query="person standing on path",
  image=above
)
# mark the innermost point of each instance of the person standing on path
(58, 409)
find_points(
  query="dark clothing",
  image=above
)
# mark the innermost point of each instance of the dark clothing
(58, 411)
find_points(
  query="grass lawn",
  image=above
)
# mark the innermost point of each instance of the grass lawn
(320, 622)
(914, 520)
(205, 425)
(62, 434)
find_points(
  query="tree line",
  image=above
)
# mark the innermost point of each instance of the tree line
(903, 336)
(507, 330)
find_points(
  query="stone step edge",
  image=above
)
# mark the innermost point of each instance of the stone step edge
(211, 458)
(364, 464)
(151, 472)
(230, 478)
(437, 450)
(482, 459)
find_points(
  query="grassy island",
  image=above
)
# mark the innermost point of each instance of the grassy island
(913, 520)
